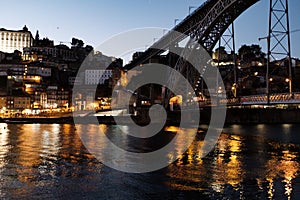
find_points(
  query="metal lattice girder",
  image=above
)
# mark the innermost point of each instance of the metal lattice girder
(279, 28)
(279, 40)
(219, 19)
(184, 68)
(206, 24)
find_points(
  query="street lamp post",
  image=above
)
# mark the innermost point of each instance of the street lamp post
(267, 73)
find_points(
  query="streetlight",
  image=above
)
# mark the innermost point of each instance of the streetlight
(268, 60)
(233, 89)
(287, 80)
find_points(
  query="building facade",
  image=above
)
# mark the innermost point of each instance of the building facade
(11, 40)
(97, 76)
(42, 53)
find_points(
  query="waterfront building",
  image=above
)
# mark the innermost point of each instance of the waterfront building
(2, 101)
(63, 98)
(22, 102)
(18, 100)
(51, 96)
(11, 40)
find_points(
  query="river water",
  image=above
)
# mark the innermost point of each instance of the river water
(49, 161)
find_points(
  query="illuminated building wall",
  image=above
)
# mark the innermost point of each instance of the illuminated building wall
(11, 40)
(61, 52)
(18, 102)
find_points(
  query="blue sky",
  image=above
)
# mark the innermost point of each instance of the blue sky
(94, 21)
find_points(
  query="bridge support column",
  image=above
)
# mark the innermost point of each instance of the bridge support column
(279, 45)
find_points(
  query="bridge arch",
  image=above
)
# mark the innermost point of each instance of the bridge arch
(206, 24)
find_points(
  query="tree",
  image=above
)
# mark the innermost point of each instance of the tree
(80, 43)
(221, 54)
(74, 42)
(77, 43)
(251, 53)
(89, 48)
(221, 49)
(256, 49)
(17, 56)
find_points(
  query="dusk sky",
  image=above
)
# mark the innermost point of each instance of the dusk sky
(95, 21)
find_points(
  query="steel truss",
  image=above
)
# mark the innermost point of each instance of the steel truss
(279, 45)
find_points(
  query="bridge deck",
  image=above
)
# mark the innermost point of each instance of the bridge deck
(284, 98)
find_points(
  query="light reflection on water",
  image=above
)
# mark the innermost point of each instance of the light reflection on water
(248, 162)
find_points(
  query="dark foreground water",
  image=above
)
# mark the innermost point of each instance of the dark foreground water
(249, 162)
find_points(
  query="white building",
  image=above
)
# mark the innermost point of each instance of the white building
(96, 76)
(11, 40)
(98, 68)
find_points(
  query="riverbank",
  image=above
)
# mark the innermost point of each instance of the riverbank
(262, 116)
(39, 120)
(233, 116)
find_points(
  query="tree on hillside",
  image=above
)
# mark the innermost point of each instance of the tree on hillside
(221, 54)
(89, 48)
(251, 53)
(77, 43)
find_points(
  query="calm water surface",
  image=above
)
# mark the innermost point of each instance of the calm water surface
(49, 161)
